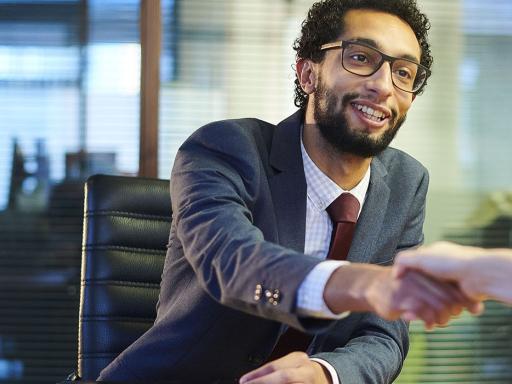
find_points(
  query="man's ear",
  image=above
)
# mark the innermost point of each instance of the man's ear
(306, 74)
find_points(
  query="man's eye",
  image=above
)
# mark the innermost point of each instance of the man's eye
(359, 57)
(404, 73)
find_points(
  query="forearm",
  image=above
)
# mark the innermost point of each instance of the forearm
(480, 273)
(374, 354)
(490, 274)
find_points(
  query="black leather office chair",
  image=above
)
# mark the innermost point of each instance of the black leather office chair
(126, 228)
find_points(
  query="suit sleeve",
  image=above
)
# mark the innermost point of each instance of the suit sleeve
(217, 184)
(376, 348)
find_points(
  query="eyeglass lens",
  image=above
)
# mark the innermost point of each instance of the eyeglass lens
(365, 61)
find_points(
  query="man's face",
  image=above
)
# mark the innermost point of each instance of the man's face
(357, 114)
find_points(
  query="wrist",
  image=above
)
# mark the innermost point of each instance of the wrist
(491, 282)
(350, 288)
(322, 373)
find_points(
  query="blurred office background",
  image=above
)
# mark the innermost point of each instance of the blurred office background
(70, 106)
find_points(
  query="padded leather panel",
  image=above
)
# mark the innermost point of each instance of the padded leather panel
(126, 227)
(123, 263)
(112, 229)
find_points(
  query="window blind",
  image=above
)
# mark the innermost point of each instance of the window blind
(69, 101)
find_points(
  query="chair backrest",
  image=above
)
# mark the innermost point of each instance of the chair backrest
(126, 229)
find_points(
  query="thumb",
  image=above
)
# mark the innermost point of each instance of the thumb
(399, 270)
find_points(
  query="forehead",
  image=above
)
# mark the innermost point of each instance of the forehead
(391, 34)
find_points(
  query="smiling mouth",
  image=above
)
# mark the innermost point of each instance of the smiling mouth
(370, 113)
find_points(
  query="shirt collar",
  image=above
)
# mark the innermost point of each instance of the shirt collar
(322, 191)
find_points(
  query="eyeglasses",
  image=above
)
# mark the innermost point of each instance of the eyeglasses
(364, 60)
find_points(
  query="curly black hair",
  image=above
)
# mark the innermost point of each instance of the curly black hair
(324, 23)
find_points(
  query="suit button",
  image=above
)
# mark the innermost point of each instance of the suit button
(257, 292)
(273, 297)
(276, 297)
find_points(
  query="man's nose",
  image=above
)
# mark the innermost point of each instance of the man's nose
(381, 82)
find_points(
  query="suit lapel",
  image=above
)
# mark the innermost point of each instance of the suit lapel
(372, 215)
(288, 188)
(288, 184)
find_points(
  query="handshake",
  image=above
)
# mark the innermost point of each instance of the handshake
(430, 283)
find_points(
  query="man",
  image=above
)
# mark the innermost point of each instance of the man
(250, 231)
(481, 274)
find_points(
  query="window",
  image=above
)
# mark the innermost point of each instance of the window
(69, 101)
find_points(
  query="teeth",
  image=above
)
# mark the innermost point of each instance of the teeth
(370, 112)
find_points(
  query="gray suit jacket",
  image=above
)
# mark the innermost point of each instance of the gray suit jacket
(239, 200)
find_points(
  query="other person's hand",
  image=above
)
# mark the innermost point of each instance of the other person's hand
(480, 273)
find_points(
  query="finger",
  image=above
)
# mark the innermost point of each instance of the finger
(456, 310)
(411, 316)
(262, 371)
(407, 258)
(456, 294)
(420, 310)
(431, 313)
(281, 376)
(430, 301)
(477, 308)
(425, 289)
(448, 293)
(438, 310)
(425, 317)
(446, 305)
(453, 296)
(472, 306)
(399, 270)
(256, 374)
(292, 360)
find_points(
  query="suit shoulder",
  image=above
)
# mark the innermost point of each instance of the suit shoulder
(233, 134)
(250, 128)
(398, 161)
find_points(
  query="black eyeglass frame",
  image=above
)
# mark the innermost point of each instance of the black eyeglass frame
(342, 44)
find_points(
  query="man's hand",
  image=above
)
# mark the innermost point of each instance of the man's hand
(295, 368)
(444, 261)
(412, 295)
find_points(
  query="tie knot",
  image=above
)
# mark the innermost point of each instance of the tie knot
(344, 208)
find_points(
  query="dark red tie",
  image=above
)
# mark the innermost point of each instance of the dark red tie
(343, 212)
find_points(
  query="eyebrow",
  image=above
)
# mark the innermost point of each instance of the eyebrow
(374, 44)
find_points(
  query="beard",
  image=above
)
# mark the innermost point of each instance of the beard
(334, 127)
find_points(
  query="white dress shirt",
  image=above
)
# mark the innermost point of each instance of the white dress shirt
(321, 192)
